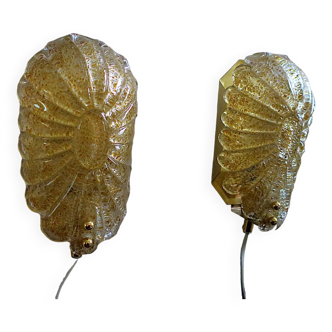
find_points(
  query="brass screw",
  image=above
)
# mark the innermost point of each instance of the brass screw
(273, 221)
(276, 205)
(89, 226)
(87, 243)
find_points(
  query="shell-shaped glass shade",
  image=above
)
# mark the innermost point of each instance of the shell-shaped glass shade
(269, 110)
(77, 114)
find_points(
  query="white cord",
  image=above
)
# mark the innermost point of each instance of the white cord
(243, 251)
(65, 279)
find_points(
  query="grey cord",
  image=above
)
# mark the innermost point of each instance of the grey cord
(65, 279)
(243, 248)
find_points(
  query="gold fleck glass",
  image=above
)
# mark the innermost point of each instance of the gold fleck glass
(77, 114)
(265, 108)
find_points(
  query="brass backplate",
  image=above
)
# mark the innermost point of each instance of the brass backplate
(218, 173)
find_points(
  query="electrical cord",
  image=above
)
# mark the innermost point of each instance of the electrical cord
(243, 249)
(64, 279)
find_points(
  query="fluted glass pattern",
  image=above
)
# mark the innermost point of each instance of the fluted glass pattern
(77, 113)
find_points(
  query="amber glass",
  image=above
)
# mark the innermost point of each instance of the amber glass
(77, 115)
(269, 110)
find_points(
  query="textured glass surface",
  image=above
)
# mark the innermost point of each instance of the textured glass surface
(77, 114)
(269, 110)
